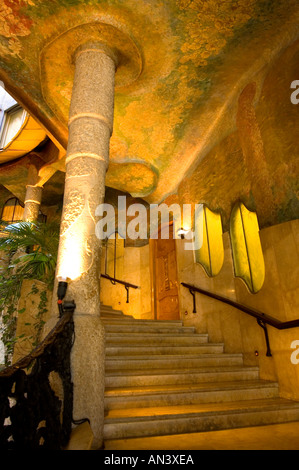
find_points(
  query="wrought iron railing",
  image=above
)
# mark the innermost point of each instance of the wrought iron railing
(127, 285)
(32, 416)
(262, 319)
(113, 279)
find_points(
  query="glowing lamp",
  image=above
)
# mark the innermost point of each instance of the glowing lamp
(61, 292)
(182, 232)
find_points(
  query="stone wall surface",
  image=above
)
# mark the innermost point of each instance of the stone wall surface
(278, 298)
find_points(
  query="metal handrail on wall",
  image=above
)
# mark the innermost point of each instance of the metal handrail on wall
(127, 285)
(113, 278)
(262, 318)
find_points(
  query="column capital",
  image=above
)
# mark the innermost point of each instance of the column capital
(92, 104)
(96, 46)
(33, 193)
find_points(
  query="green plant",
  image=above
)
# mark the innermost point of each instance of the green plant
(33, 247)
(32, 254)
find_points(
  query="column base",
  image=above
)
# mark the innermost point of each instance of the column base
(88, 373)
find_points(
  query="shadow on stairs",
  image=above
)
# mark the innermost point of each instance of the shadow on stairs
(168, 386)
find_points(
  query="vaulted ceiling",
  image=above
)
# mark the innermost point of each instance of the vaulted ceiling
(188, 62)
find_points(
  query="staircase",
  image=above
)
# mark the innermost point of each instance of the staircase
(163, 378)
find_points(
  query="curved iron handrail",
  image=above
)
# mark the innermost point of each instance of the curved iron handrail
(31, 415)
(126, 284)
(262, 318)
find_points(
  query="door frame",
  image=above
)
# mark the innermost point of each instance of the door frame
(153, 270)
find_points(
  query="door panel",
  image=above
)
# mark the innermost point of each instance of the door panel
(166, 282)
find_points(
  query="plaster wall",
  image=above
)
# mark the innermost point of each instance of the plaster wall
(134, 267)
(278, 298)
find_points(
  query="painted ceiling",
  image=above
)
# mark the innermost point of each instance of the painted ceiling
(188, 61)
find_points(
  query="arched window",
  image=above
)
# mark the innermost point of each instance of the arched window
(12, 123)
(12, 210)
(211, 253)
(246, 247)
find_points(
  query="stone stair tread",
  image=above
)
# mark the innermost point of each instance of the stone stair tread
(203, 369)
(131, 335)
(122, 323)
(110, 311)
(153, 340)
(187, 411)
(139, 346)
(167, 361)
(157, 384)
(183, 388)
(160, 350)
(169, 357)
(155, 330)
(115, 316)
(152, 335)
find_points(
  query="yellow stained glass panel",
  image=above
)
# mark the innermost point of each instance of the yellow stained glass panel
(211, 254)
(246, 247)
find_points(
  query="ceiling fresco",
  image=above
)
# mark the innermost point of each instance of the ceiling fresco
(176, 96)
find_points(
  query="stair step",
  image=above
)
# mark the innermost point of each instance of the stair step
(154, 339)
(111, 310)
(171, 361)
(167, 420)
(161, 328)
(108, 313)
(163, 378)
(161, 395)
(126, 320)
(115, 316)
(167, 350)
(137, 377)
(108, 308)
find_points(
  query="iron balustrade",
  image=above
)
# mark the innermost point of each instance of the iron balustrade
(31, 414)
(262, 319)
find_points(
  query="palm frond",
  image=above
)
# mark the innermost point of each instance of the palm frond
(23, 234)
(39, 241)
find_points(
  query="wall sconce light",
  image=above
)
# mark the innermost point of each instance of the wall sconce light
(62, 288)
(61, 292)
(182, 232)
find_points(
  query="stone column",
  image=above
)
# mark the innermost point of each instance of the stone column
(32, 202)
(90, 128)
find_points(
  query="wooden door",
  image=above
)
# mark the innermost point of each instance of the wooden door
(166, 280)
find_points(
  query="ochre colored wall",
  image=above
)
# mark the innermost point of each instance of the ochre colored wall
(278, 298)
(135, 269)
